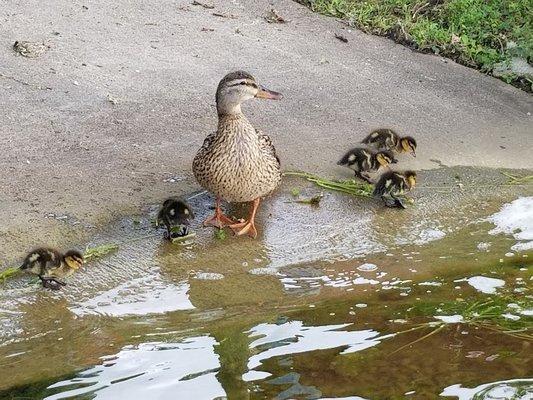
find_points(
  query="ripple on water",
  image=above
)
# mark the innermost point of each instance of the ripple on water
(162, 371)
(147, 295)
(293, 337)
(515, 389)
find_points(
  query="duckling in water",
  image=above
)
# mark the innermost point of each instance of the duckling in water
(387, 139)
(51, 266)
(393, 184)
(175, 212)
(362, 161)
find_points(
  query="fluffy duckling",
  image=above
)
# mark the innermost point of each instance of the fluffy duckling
(393, 184)
(51, 266)
(175, 212)
(362, 161)
(387, 139)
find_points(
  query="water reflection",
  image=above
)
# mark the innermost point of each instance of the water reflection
(147, 295)
(514, 389)
(171, 371)
(293, 337)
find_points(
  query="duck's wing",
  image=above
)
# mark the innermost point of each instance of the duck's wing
(266, 145)
(203, 150)
(208, 140)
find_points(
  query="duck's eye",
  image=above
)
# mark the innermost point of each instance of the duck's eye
(243, 83)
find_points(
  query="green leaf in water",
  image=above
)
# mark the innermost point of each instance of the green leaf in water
(352, 187)
(220, 234)
(9, 273)
(99, 251)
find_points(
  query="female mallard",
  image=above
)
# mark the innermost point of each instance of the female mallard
(237, 163)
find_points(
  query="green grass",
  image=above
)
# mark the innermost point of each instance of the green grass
(476, 33)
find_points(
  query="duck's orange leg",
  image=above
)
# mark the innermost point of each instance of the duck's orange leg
(219, 220)
(247, 227)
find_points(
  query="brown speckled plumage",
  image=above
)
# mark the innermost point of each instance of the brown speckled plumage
(237, 163)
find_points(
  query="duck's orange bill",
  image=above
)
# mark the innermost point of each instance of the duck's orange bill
(264, 93)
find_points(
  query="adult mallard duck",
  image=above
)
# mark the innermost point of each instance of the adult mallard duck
(237, 163)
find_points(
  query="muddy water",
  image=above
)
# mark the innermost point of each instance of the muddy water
(336, 301)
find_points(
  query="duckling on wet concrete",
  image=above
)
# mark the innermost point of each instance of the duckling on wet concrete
(175, 212)
(237, 163)
(51, 266)
(363, 161)
(392, 185)
(387, 139)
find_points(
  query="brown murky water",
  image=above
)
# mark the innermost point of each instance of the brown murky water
(336, 301)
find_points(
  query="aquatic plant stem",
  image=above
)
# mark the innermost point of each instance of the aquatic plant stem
(434, 331)
(349, 187)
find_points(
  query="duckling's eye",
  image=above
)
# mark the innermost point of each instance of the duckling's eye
(242, 83)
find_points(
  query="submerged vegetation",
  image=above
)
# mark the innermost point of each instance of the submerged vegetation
(500, 313)
(351, 186)
(517, 179)
(490, 35)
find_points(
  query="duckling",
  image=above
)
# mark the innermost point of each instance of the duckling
(50, 265)
(393, 184)
(387, 139)
(175, 212)
(237, 163)
(363, 161)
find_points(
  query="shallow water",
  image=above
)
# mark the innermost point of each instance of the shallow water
(329, 302)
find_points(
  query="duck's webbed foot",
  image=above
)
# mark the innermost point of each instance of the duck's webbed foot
(52, 283)
(393, 202)
(219, 220)
(364, 177)
(247, 227)
(244, 228)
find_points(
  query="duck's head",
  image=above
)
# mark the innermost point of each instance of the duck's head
(410, 177)
(385, 158)
(237, 87)
(74, 259)
(408, 145)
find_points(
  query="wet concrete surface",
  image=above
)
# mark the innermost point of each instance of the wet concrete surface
(321, 265)
(70, 150)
